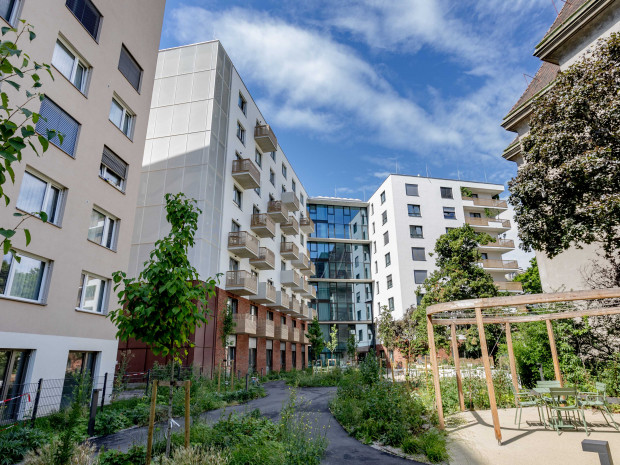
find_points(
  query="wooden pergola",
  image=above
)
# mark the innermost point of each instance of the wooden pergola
(459, 316)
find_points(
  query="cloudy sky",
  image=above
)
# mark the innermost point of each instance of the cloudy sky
(356, 90)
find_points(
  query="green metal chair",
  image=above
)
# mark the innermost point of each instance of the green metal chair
(525, 398)
(566, 409)
(598, 400)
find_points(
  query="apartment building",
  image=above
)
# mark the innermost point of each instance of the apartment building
(340, 251)
(575, 31)
(407, 214)
(53, 302)
(208, 139)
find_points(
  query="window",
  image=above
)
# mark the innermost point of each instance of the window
(257, 190)
(372, 209)
(53, 118)
(87, 14)
(449, 213)
(232, 305)
(416, 232)
(243, 104)
(389, 281)
(130, 68)
(484, 256)
(411, 190)
(293, 186)
(388, 259)
(102, 229)
(240, 133)
(360, 335)
(122, 118)
(237, 196)
(419, 276)
(258, 158)
(414, 210)
(113, 169)
(377, 288)
(233, 265)
(418, 299)
(384, 217)
(272, 178)
(283, 188)
(92, 293)
(418, 253)
(386, 237)
(382, 197)
(253, 310)
(284, 170)
(301, 199)
(23, 279)
(373, 227)
(283, 320)
(475, 215)
(391, 304)
(358, 297)
(37, 195)
(269, 315)
(376, 267)
(446, 192)
(448, 230)
(234, 227)
(273, 156)
(374, 247)
(70, 66)
(8, 10)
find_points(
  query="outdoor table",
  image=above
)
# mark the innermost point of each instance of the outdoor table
(540, 392)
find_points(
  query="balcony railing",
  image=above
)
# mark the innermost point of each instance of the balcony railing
(294, 334)
(266, 293)
(291, 227)
(289, 250)
(241, 282)
(501, 243)
(266, 259)
(303, 262)
(290, 278)
(509, 286)
(290, 200)
(246, 173)
(265, 138)
(282, 301)
(492, 203)
(307, 225)
(243, 244)
(245, 324)
(277, 211)
(295, 306)
(500, 264)
(492, 222)
(263, 225)
(281, 332)
(265, 328)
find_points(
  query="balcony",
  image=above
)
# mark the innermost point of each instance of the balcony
(243, 244)
(289, 251)
(266, 294)
(506, 244)
(266, 259)
(304, 338)
(500, 264)
(281, 332)
(290, 200)
(295, 309)
(277, 211)
(291, 227)
(282, 302)
(265, 138)
(245, 324)
(305, 312)
(509, 286)
(311, 271)
(246, 173)
(309, 292)
(263, 225)
(485, 203)
(488, 224)
(294, 334)
(303, 262)
(290, 278)
(241, 282)
(307, 225)
(265, 328)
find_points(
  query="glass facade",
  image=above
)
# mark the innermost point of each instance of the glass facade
(339, 222)
(340, 261)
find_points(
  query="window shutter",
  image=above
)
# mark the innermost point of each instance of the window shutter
(53, 117)
(86, 12)
(130, 68)
(114, 163)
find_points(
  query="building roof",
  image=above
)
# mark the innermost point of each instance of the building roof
(545, 75)
(570, 6)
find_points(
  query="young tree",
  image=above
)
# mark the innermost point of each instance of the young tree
(165, 304)
(333, 341)
(530, 279)
(406, 341)
(566, 193)
(315, 337)
(352, 347)
(227, 328)
(386, 329)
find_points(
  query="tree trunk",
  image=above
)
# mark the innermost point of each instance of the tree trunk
(169, 426)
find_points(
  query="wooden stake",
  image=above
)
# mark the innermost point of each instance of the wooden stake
(554, 353)
(488, 375)
(457, 367)
(149, 440)
(511, 359)
(435, 368)
(219, 376)
(232, 377)
(187, 390)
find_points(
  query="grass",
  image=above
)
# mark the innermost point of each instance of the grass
(306, 378)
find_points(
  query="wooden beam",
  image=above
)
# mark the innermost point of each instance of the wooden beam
(149, 440)
(554, 353)
(187, 415)
(435, 368)
(488, 375)
(511, 358)
(457, 367)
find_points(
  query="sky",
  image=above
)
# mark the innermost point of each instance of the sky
(355, 90)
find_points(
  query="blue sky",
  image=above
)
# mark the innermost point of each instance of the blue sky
(356, 89)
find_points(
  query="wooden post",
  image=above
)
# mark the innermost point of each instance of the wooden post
(435, 368)
(149, 440)
(219, 376)
(511, 358)
(232, 378)
(488, 375)
(554, 352)
(457, 367)
(187, 390)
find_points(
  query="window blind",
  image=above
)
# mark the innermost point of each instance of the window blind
(114, 162)
(54, 118)
(130, 68)
(87, 14)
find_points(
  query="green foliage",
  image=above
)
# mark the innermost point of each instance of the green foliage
(333, 340)
(369, 369)
(386, 328)
(566, 193)
(81, 454)
(431, 443)
(16, 442)
(227, 327)
(352, 347)
(71, 433)
(194, 455)
(315, 337)
(135, 455)
(530, 279)
(466, 191)
(111, 421)
(306, 378)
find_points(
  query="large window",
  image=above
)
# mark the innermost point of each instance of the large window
(8, 10)
(130, 68)
(13, 369)
(411, 189)
(449, 213)
(336, 260)
(38, 195)
(418, 253)
(237, 196)
(122, 117)
(416, 232)
(54, 118)
(446, 192)
(70, 66)
(92, 293)
(23, 279)
(102, 229)
(389, 281)
(414, 210)
(113, 169)
(87, 14)
(419, 276)
(335, 221)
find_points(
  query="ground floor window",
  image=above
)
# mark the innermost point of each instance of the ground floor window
(13, 368)
(283, 356)
(252, 355)
(80, 368)
(303, 357)
(294, 354)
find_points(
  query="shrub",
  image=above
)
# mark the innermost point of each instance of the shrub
(134, 456)
(430, 443)
(82, 454)
(111, 421)
(196, 456)
(16, 442)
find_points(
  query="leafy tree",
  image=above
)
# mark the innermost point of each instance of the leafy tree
(315, 337)
(16, 120)
(165, 304)
(332, 344)
(406, 340)
(566, 193)
(352, 347)
(227, 328)
(386, 329)
(530, 279)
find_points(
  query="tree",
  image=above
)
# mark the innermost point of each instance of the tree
(315, 337)
(16, 130)
(352, 347)
(332, 344)
(227, 328)
(165, 304)
(530, 279)
(386, 329)
(406, 341)
(566, 192)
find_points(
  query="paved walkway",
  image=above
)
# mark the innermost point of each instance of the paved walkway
(342, 448)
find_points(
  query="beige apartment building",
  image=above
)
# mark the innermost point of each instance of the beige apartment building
(53, 303)
(575, 31)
